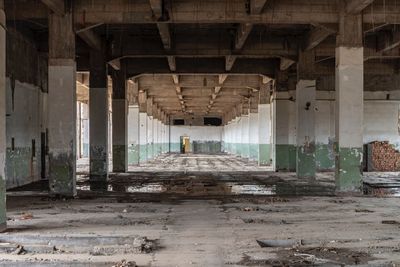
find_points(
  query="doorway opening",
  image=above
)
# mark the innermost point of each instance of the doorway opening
(185, 144)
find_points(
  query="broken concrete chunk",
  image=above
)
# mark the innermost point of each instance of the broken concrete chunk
(280, 243)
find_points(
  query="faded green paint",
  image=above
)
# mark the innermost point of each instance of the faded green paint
(142, 153)
(62, 174)
(133, 154)
(264, 154)
(348, 171)
(245, 153)
(306, 165)
(285, 157)
(175, 147)
(253, 151)
(325, 157)
(212, 147)
(3, 217)
(150, 151)
(98, 163)
(19, 168)
(119, 158)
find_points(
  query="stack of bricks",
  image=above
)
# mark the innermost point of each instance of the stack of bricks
(384, 157)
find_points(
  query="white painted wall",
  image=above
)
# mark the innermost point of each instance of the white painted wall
(133, 125)
(324, 121)
(381, 121)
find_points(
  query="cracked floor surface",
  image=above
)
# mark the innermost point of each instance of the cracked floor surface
(201, 219)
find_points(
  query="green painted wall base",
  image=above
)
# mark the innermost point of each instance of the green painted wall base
(348, 172)
(3, 217)
(19, 166)
(306, 165)
(133, 154)
(325, 157)
(253, 151)
(119, 158)
(285, 157)
(264, 154)
(208, 147)
(62, 174)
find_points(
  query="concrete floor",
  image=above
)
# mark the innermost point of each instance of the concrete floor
(203, 218)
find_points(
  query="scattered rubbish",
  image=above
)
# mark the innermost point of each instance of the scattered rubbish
(143, 245)
(279, 243)
(26, 216)
(125, 263)
(364, 210)
(390, 222)
(19, 250)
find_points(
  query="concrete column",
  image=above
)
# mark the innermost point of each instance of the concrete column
(305, 107)
(253, 136)
(285, 134)
(120, 122)
(150, 128)
(3, 218)
(264, 125)
(143, 137)
(133, 135)
(349, 104)
(264, 134)
(62, 106)
(245, 134)
(98, 117)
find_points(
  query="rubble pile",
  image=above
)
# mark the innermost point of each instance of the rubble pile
(384, 157)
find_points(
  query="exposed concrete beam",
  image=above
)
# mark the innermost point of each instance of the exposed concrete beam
(356, 6)
(242, 34)
(281, 12)
(116, 64)
(316, 36)
(286, 63)
(57, 6)
(229, 62)
(156, 7)
(165, 35)
(257, 6)
(91, 39)
(171, 63)
(222, 78)
(389, 41)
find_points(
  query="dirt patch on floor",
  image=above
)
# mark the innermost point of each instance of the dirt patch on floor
(314, 256)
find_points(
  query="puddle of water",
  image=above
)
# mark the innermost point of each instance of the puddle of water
(253, 189)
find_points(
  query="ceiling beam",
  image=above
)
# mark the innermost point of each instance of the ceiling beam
(286, 63)
(229, 62)
(317, 36)
(91, 39)
(171, 63)
(56, 6)
(242, 34)
(156, 7)
(356, 6)
(257, 6)
(163, 29)
(389, 41)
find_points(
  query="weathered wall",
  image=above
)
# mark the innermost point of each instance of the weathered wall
(205, 139)
(26, 84)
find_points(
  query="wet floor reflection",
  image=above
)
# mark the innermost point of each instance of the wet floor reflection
(210, 185)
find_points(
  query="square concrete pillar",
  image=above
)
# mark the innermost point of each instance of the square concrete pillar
(133, 135)
(143, 147)
(98, 118)
(264, 134)
(3, 218)
(62, 106)
(150, 137)
(253, 136)
(305, 107)
(285, 135)
(349, 118)
(120, 135)
(119, 121)
(245, 136)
